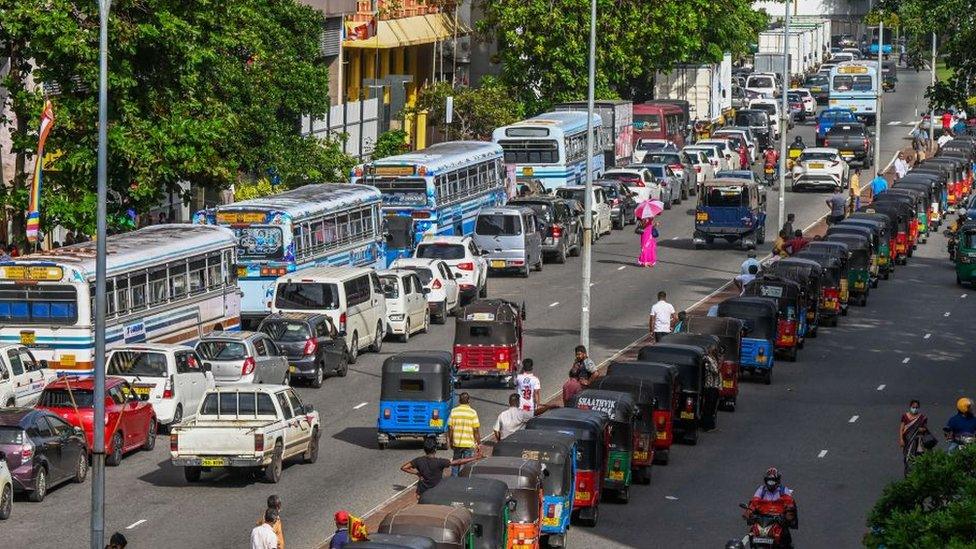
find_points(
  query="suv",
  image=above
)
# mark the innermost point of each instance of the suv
(312, 344)
(827, 119)
(623, 206)
(42, 450)
(562, 230)
(243, 357)
(443, 297)
(460, 252)
(757, 121)
(22, 378)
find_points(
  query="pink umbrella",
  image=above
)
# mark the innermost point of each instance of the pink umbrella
(648, 209)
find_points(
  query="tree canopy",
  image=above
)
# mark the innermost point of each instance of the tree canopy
(205, 91)
(477, 111)
(950, 20)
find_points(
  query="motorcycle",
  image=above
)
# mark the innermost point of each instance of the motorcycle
(768, 530)
(950, 243)
(960, 440)
(770, 174)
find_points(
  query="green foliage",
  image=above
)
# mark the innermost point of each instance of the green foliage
(390, 143)
(933, 507)
(477, 111)
(956, 34)
(201, 91)
(261, 187)
(545, 43)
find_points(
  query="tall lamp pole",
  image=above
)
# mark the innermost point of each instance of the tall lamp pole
(98, 443)
(588, 199)
(877, 115)
(931, 104)
(783, 119)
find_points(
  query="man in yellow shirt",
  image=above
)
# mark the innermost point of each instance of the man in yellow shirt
(463, 430)
(855, 180)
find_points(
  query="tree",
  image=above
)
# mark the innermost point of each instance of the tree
(390, 143)
(933, 506)
(951, 21)
(200, 91)
(477, 111)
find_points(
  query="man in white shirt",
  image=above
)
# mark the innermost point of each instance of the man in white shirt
(662, 317)
(512, 419)
(528, 387)
(263, 535)
(901, 166)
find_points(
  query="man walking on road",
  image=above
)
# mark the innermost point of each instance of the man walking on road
(274, 502)
(512, 419)
(529, 388)
(263, 535)
(838, 207)
(662, 317)
(429, 468)
(901, 166)
(463, 430)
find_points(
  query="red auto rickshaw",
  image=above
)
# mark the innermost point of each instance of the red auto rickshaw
(667, 392)
(488, 340)
(729, 331)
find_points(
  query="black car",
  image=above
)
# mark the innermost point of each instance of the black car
(314, 348)
(819, 86)
(562, 227)
(852, 141)
(41, 450)
(623, 205)
(757, 121)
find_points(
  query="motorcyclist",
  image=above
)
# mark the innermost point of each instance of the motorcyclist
(961, 426)
(771, 160)
(798, 143)
(774, 498)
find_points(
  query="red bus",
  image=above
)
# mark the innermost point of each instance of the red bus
(659, 121)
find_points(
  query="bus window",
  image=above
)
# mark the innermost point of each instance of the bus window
(843, 83)
(863, 83)
(647, 122)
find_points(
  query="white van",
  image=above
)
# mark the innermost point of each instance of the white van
(351, 296)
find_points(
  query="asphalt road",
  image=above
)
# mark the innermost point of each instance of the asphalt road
(151, 503)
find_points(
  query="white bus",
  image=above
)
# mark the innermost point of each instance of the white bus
(165, 284)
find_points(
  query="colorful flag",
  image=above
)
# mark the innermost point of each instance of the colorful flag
(34, 208)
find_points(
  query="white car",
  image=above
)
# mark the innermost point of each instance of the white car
(809, 102)
(465, 259)
(731, 155)
(760, 85)
(644, 146)
(704, 171)
(173, 376)
(406, 303)
(743, 134)
(602, 223)
(22, 378)
(820, 168)
(771, 107)
(714, 154)
(6, 491)
(444, 294)
(639, 181)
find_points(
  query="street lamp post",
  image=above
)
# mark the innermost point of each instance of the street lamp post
(588, 199)
(784, 119)
(877, 115)
(931, 104)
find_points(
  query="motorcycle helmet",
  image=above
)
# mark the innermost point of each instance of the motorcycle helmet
(964, 405)
(772, 478)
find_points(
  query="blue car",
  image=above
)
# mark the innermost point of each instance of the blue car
(759, 314)
(416, 397)
(829, 117)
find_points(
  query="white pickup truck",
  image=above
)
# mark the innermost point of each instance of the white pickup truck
(252, 426)
(22, 378)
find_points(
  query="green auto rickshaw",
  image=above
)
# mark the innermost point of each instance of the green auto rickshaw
(859, 266)
(966, 253)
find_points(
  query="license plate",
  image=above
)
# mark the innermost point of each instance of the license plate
(701, 216)
(761, 359)
(687, 415)
(213, 462)
(28, 338)
(140, 390)
(437, 423)
(583, 496)
(663, 435)
(859, 285)
(550, 521)
(768, 541)
(502, 365)
(847, 153)
(816, 166)
(816, 90)
(727, 384)
(616, 475)
(497, 264)
(640, 456)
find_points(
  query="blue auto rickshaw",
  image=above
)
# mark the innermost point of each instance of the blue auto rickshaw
(759, 315)
(416, 397)
(557, 453)
(732, 209)
(791, 303)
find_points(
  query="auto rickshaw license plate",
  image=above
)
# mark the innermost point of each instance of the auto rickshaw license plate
(727, 384)
(550, 521)
(687, 415)
(701, 216)
(497, 264)
(662, 435)
(859, 284)
(28, 338)
(583, 496)
(292, 369)
(616, 475)
(212, 462)
(640, 456)
(437, 423)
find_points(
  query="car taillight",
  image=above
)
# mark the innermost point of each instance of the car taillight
(436, 284)
(826, 142)
(728, 367)
(26, 451)
(676, 166)
(866, 143)
(697, 168)
(582, 486)
(342, 322)
(689, 404)
(503, 355)
(556, 231)
(168, 388)
(258, 442)
(248, 367)
(310, 347)
(466, 266)
(457, 358)
(174, 442)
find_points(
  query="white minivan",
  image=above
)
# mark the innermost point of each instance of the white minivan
(351, 296)
(406, 303)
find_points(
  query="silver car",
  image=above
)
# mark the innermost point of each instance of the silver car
(510, 237)
(243, 357)
(669, 181)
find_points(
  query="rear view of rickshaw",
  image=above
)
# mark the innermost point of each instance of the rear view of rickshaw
(621, 409)
(667, 397)
(488, 501)
(831, 306)
(448, 526)
(840, 251)
(715, 348)
(965, 256)
(645, 432)
(899, 237)
(859, 272)
(729, 331)
(488, 341)
(699, 380)
(810, 276)
(791, 320)
(758, 314)
(523, 477)
(416, 397)
(883, 232)
(907, 207)
(873, 238)
(920, 201)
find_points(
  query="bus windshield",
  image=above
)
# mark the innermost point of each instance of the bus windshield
(536, 151)
(259, 243)
(41, 304)
(647, 122)
(844, 82)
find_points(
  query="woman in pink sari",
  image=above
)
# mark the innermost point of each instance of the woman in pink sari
(648, 255)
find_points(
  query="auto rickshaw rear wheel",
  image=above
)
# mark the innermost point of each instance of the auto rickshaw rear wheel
(768, 377)
(790, 355)
(624, 495)
(662, 457)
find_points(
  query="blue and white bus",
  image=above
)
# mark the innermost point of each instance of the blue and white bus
(315, 225)
(437, 190)
(551, 147)
(854, 86)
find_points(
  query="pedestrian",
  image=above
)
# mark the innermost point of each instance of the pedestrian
(274, 502)
(572, 386)
(4, 256)
(429, 469)
(662, 317)
(117, 541)
(529, 388)
(69, 238)
(584, 364)
(797, 243)
(162, 218)
(511, 419)
(878, 186)
(649, 234)
(463, 430)
(855, 188)
(788, 226)
(750, 260)
(838, 207)
(740, 281)
(947, 122)
(341, 536)
(779, 245)
(901, 166)
(679, 326)
(13, 251)
(263, 535)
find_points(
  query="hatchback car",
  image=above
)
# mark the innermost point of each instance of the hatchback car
(312, 344)
(623, 203)
(243, 357)
(464, 257)
(406, 303)
(600, 208)
(562, 230)
(443, 291)
(130, 422)
(42, 450)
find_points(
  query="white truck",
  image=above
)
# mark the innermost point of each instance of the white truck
(246, 426)
(707, 88)
(22, 378)
(618, 117)
(799, 49)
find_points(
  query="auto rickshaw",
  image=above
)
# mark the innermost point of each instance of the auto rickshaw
(810, 276)
(729, 332)
(488, 501)
(964, 152)
(416, 397)
(759, 316)
(667, 399)
(557, 452)
(882, 233)
(712, 345)
(523, 477)
(933, 186)
(902, 227)
(922, 206)
(592, 431)
(488, 340)
(621, 409)
(645, 432)
(448, 526)
(699, 380)
(959, 171)
(953, 184)
(965, 256)
(834, 260)
(791, 305)
(853, 230)
(907, 207)
(889, 75)
(859, 266)
(733, 209)
(394, 541)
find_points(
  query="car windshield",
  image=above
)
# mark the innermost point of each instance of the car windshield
(307, 296)
(440, 251)
(769, 109)
(222, 350)
(498, 225)
(816, 156)
(794, 98)
(617, 176)
(709, 152)
(285, 330)
(750, 119)
(137, 363)
(11, 435)
(817, 81)
(759, 82)
(656, 171)
(726, 197)
(63, 398)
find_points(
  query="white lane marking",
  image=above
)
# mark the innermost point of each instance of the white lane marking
(853, 419)
(822, 454)
(672, 498)
(554, 303)
(894, 122)
(592, 284)
(890, 163)
(674, 238)
(927, 336)
(947, 313)
(881, 387)
(622, 267)
(963, 296)
(360, 405)
(134, 524)
(905, 360)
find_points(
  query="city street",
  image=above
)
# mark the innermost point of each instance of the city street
(829, 421)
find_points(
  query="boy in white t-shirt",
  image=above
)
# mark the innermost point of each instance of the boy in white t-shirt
(528, 387)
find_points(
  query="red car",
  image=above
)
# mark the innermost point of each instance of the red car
(130, 422)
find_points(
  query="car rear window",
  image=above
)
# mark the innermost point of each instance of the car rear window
(617, 176)
(816, 156)
(726, 197)
(498, 225)
(423, 272)
(285, 330)
(244, 404)
(575, 194)
(222, 350)
(11, 435)
(846, 129)
(307, 296)
(650, 145)
(391, 287)
(62, 398)
(440, 251)
(656, 171)
(759, 82)
(137, 363)
(663, 158)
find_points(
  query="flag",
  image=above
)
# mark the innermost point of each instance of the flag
(34, 207)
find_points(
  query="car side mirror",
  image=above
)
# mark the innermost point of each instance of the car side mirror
(207, 367)
(79, 431)
(43, 363)
(307, 408)
(512, 505)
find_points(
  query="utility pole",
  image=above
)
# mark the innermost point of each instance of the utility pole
(931, 104)
(588, 199)
(877, 115)
(784, 121)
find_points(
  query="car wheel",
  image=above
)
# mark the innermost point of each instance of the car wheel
(441, 317)
(668, 203)
(405, 337)
(115, 457)
(318, 377)
(81, 468)
(354, 349)
(150, 442)
(312, 454)
(192, 474)
(426, 328)
(343, 368)
(524, 272)
(378, 338)
(538, 266)
(561, 256)
(40, 486)
(578, 248)
(483, 292)
(6, 502)
(272, 473)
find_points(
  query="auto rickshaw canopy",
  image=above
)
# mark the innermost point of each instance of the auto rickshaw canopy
(523, 477)
(446, 525)
(394, 541)
(488, 322)
(555, 451)
(663, 376)
(417, 376)
(728, 330)
(486, 498)
(809, 274)
(588, 426)
(689, 359)
(759, 315)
